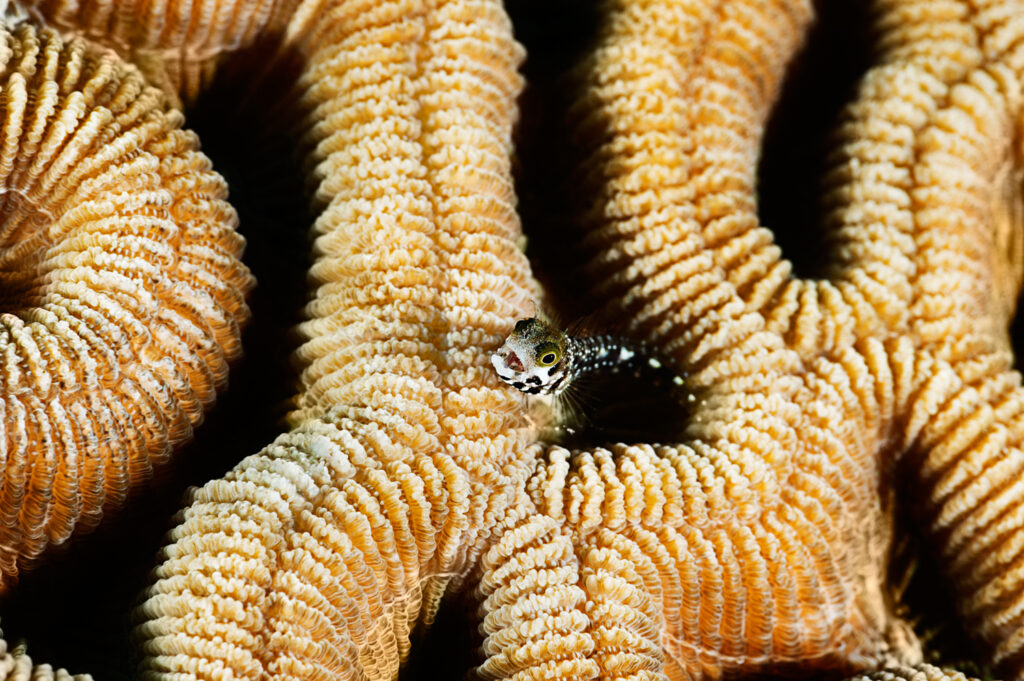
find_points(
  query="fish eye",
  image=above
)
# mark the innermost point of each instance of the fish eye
(547, 354)
(522, 324)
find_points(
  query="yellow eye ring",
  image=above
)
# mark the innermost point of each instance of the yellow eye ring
(547, 354)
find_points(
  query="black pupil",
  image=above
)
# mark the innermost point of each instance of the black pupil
(548, 358)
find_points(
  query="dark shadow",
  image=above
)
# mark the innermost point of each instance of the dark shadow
(818, 84)
(556, 36)
(1016, 331)
(915, 579)
(1017, 337)
(621, 407)
(449, 648)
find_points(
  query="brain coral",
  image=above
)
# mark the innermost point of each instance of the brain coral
(120, 283)
(402, 434)
(756, 540)
(178, 46)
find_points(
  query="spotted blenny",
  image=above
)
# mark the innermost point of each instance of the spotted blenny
(538, 359)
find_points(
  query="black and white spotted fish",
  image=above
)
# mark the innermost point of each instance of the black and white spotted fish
(540, 360)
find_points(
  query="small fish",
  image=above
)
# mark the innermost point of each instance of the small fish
(539, 359)
(535, 358)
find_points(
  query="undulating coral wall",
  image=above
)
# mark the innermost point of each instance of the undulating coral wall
(121, 284)
(347, 530)
(177, 44)
(756, 543)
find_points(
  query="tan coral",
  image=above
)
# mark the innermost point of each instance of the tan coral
(120, 285)
(345, 532)
(921, 192)
(922, 672)
(178, 45)
(963, 430)
(730, 550)
(601, 558)
(916, 259)
(761, 541)
(927, 200)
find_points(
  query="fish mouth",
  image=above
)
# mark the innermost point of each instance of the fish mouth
(507, 363)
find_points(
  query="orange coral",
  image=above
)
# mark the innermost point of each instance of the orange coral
(120, 281)
(759, 541)
(178, 45)
(923, 672)
(345, 532)
(726, 553)
(917, 251)
(959, 204)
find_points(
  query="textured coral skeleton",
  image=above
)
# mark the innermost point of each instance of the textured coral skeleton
(122, 289)
(178, 46)
(121, 284)
(757, 543)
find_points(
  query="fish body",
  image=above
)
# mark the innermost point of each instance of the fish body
(538, 359)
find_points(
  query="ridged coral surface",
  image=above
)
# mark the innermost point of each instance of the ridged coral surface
(346, 531)
(728, 553)
(120, 286)
(963, 435)
(757, 541)
(923, 672)
(177, 45)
